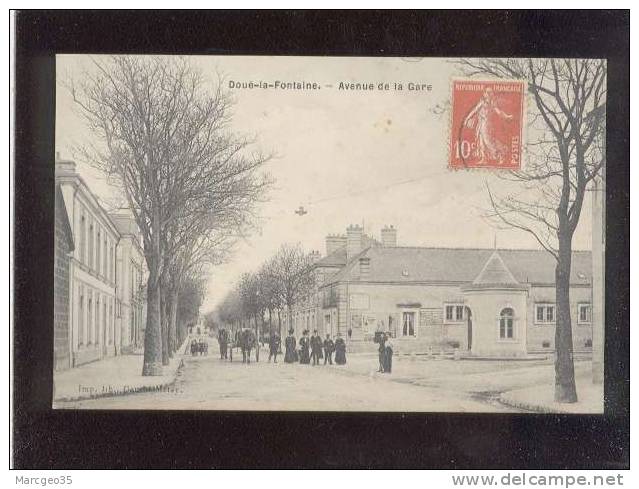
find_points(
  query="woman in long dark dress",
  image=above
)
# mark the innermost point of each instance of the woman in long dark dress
(382, 352)
(388, 355)
(290, 343)
(340, 350)
(305, 355)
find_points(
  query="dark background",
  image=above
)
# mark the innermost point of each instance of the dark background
(44, 438)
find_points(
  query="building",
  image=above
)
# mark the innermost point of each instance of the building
(95, 280)
(485, 301)
(64, 246)
(130, 266)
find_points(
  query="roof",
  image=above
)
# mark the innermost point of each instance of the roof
(460, 265)
(495, 272)
(335, 259)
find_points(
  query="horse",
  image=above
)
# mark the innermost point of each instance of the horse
(248, 341)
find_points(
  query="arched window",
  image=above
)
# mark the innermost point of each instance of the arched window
(506, 318)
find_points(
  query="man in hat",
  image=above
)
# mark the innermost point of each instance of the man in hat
(316, 347)
(329, 347)
(275, 342)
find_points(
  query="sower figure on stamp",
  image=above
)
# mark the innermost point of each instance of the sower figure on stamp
(316, 347)
(290, 356)
(340, 350)
(488, 146)
(275, 343)
(329, 347)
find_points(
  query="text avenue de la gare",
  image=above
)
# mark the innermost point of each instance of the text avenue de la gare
(343, 86)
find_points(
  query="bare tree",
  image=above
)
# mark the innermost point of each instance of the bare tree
(293, 269)
(229, 310)
(163, 136)
(565, 153)
(271, 292)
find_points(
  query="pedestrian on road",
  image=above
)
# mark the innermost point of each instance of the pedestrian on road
(382, 352)
(275, 343)
(305, 357)
(388, 354)
(350, 333)
(329, 347)
(340, 350)
(291, 354)
(223, 339)
(316, 347)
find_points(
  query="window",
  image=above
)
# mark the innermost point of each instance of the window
(90, 320)
(544, 313)
(105, 325)
(83, 237)
(81, 317)
(111, 268)
(111, 329)
(506, 331)
(584, 314)
(105, 265)
(90, 248)
(98, 247)
(408, 324)
(454, 312)
(96, 326)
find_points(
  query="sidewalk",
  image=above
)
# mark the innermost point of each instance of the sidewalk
(541, 399)
(114, 376)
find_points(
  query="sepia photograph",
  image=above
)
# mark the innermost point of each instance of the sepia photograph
(331, 234)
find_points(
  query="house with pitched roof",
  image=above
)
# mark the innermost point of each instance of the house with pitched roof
(485, 301)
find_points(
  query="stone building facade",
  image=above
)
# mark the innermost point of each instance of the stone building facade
(63, 248)
(485, 301)
(130, 294)
(95, 280)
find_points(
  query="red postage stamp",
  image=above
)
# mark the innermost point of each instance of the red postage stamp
(486, 124)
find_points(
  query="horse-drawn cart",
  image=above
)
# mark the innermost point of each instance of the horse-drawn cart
(246, 341)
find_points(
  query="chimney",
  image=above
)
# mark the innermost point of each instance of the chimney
(334, 242)
(389, 237)
(64, 167)
(353, 240)
(364, 266)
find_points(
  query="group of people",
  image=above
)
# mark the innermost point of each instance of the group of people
(312, 350)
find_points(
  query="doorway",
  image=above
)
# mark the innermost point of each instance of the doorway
(469, 319)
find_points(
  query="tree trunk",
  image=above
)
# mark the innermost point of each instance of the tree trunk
(257, 345)
(279, 322)
(565, 390)
(165, 326)
(152, 335)
(174, 340)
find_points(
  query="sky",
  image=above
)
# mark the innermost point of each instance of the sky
(373, 158)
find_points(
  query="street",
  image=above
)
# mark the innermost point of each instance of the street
(416, 384)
